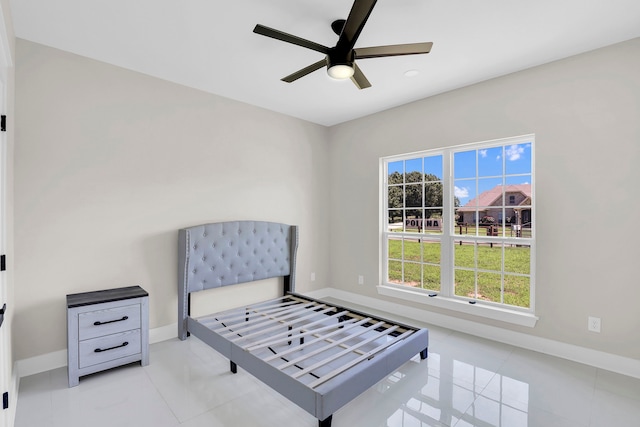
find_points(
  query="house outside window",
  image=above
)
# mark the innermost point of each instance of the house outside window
(458, 223)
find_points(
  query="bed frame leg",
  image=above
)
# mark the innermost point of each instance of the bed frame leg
(234, 367)
(188, 311)
(424, 354)
(326, 422)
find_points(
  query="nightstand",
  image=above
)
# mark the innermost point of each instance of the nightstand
(106, 329)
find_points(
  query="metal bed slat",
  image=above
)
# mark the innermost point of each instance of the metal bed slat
(288, 299)
(339, 345)
(280, 325)
(263, 304)
(214, 320)
(345, 326)
(343, 352)
(241, 313)
(387, 324)
(300, 336)
(288, 334)
(329, 346)
(261, 321)
(354, 362)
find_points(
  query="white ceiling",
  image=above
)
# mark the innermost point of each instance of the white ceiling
(209, 44)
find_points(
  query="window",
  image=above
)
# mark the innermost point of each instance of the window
(459, 223)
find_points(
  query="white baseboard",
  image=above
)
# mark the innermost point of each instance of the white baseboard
(58, 359)
(42, 363)
(599, 359)
(163, 333)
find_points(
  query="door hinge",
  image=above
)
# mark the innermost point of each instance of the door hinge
(3, 262)
(3, 123)
(5, 400)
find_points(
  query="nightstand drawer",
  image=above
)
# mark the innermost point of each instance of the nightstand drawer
(106, 329)
(110, 347)
(110, 321)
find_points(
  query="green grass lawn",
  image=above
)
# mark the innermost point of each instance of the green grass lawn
(422, 269)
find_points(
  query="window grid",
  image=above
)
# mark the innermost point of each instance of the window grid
(497, 226)
(420, 223)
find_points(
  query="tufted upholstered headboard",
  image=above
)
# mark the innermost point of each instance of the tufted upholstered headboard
(228, 253)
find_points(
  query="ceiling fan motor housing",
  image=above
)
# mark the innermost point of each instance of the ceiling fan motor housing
(335, 57)
(341, 60)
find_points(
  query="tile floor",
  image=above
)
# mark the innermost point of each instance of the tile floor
(466, 381)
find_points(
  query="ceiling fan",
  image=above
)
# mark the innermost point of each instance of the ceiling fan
(340, 59)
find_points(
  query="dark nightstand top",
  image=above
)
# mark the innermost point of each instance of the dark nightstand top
(107, 295)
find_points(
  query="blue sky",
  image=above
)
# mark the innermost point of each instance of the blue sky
(515, 159)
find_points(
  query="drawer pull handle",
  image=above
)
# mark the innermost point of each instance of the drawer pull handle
(100, 350)
(98, 323)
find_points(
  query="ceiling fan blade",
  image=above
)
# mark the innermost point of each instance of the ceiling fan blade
(359, 79)
(358, 16)
(279, 35)
(392, 50)
(306, 70)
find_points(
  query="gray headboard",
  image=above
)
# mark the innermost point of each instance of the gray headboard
(228, 253)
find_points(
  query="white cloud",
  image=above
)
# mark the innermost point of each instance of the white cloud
(513, 152)
(483, 153)
(461, 193)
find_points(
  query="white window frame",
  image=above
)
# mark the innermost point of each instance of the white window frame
(446, 298)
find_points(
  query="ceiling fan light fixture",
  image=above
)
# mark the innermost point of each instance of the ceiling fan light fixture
(340, 59)
(341, 71)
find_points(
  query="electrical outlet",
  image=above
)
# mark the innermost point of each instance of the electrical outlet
(313, 277)
(594, 324)
(360, 280)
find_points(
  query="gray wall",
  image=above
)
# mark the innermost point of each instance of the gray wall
(111, 163)
(585, 112)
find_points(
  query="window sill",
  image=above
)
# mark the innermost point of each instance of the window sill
(490, 312)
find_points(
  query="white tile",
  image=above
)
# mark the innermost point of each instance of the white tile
(462, 349)
(191, 385)
(120, 397)
(413, 395)
(542, 418)
(466, 381)
(487, 412)
(403, 418)
(509, 391)
(385, 404)
(256, 407)
(611, 409)
(561, 387)
(618, 384)
(35, 392)
(437, 334)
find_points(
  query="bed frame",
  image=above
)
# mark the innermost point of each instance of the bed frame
(318, 355)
